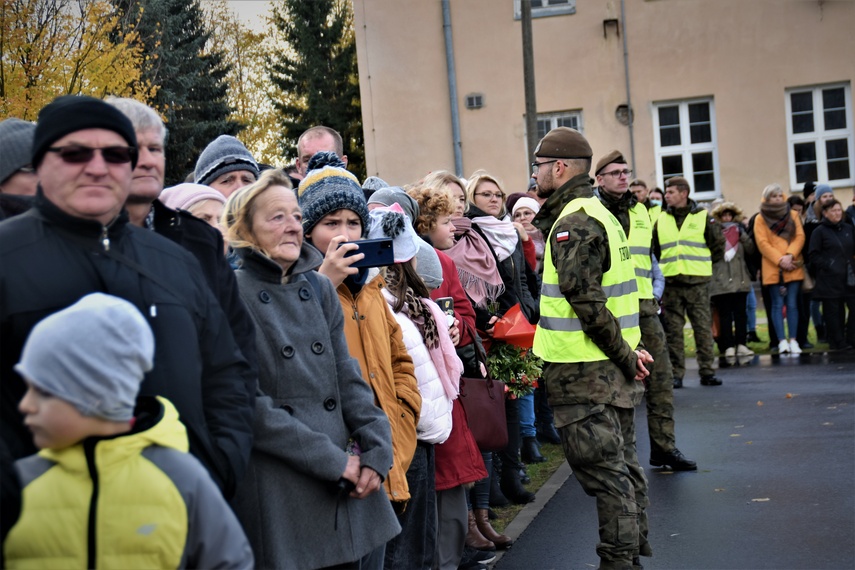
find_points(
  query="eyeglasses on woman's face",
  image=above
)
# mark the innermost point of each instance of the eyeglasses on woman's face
(490, 195)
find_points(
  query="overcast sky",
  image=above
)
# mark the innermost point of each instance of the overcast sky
(252, 12)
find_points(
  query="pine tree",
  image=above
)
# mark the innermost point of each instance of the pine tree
(320, 68)
(192, 94)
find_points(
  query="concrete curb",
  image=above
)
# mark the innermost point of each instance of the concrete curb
(531, 510)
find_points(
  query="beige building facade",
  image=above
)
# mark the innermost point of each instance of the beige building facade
(732, 94)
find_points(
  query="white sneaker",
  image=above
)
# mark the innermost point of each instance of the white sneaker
(730, 352)
(743, 350)
(794, 347)
(783, 347)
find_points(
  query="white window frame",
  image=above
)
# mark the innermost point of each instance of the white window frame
(686, 149)
(819, 135)
(569, 7)
(554, 117)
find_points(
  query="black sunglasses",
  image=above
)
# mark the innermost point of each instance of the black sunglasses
(77, 154)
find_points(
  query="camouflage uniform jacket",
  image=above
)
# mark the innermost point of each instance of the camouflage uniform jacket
(619, 206)
(580, 263)
(712, 236)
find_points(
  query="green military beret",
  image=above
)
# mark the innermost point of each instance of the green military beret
(613, 156)
(563, 142)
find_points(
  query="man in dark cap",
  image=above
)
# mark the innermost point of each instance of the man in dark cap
(687, 242)
(588, 336)
(77, 240)
(612, 178)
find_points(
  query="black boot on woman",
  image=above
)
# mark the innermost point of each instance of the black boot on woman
(512, 487)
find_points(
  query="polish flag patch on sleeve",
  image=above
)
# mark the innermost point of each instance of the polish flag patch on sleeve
(562, 236)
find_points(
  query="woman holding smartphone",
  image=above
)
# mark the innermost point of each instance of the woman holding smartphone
(335, 212)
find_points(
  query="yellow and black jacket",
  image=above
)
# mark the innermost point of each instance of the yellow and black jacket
(136, 500)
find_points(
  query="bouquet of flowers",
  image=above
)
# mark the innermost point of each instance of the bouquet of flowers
(517, 367)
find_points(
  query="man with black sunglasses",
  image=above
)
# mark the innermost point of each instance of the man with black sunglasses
(77, 240)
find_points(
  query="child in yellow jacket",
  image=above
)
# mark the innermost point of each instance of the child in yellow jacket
(113, 485)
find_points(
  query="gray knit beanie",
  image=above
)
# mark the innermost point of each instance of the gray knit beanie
(822, 189)
(16, 146)
(374, 183)
(428, 266)
(224, 154)
(92, 355)
(329, 187)
(396, 195)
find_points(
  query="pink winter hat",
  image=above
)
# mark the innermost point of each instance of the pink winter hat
(184, 196)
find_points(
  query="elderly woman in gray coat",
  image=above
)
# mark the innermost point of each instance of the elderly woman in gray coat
(322, 448)
(731, 282)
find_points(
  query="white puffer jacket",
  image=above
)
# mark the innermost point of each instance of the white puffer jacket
(435, 417)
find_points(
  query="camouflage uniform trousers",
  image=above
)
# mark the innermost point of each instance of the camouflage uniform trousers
(599, 444)
(694, 301)
(660, 386)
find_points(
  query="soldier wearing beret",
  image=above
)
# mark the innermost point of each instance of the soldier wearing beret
(687, 242)
(588, 336)
(612, 178)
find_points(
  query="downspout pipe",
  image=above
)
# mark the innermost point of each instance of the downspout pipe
(452, 87)
(630, 113)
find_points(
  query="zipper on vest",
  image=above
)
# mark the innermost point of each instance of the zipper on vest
(91, 553)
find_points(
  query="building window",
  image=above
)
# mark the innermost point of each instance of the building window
(819, 135)
(543, 8)
(686, 145)
(548, 121)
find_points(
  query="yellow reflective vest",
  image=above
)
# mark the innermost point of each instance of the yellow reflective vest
(640, 239)
(684, 250)
(559, 336)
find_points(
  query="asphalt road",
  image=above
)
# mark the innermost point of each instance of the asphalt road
(775, 447)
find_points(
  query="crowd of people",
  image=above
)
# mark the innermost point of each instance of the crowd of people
(219, 374)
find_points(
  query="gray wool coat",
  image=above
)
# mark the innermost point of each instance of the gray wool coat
(311, 400)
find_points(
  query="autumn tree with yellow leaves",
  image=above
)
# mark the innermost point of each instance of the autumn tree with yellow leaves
(60, 47)
(250, 93)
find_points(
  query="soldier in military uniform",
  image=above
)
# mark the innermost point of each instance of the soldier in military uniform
(612, 177)
(687, 242)
(587, 335)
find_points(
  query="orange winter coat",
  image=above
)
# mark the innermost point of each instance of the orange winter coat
(774, 247)
(375, 340)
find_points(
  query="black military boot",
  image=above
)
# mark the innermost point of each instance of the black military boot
(710, 380)
(674, 459)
